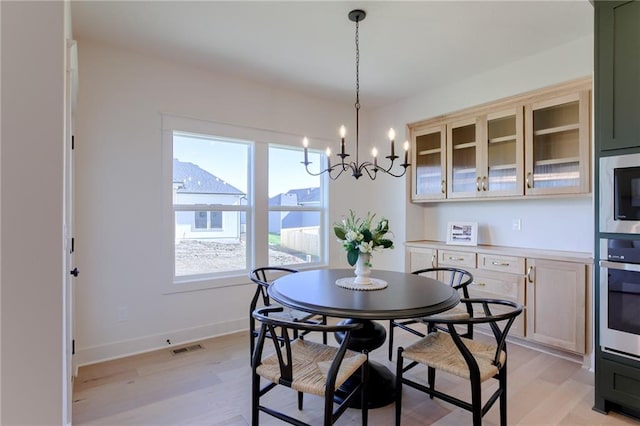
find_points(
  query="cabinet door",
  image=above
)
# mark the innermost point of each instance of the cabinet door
(557, 145)
(428, 170)
(463, 180)
(422, 258)
(556, 303)
(617, 74)
(503, 153)
(496, 285)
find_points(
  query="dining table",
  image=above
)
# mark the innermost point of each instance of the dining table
(391, 295)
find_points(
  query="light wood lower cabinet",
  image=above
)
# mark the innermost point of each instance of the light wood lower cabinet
(551, 285)
(422, 258)
(556, 303)
(496, 285)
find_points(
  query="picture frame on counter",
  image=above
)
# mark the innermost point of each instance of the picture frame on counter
(462, 233)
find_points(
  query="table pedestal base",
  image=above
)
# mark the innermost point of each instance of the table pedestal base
(381, 386)
(381, 389)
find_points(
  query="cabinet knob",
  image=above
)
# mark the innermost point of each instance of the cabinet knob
(500, 263)
(478, 183)
(442, 186)
(530, 274)
(456, 258)
(480, 284)
(484, 183)
(528, 180)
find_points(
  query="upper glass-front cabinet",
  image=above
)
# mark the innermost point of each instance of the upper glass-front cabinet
(486, 155)
(462, 158)
(537, 143)
(557, 145)
(503, 148)
(428, 169)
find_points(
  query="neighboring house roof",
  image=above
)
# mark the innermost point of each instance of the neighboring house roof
(192, 179)
(303, 195)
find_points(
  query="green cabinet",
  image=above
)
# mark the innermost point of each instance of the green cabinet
(617, 74)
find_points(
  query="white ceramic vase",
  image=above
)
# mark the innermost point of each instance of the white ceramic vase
(363, 270)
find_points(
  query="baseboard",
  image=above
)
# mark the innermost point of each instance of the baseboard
(95, 354)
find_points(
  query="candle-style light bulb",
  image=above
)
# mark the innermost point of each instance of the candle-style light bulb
(305, 143)
(343, 133)
(374, 152)
(392, 135)
(406, 152)
(328, 152)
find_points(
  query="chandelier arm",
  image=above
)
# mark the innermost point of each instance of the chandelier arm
(389, 172)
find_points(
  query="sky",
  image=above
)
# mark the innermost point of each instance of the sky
(228, 161)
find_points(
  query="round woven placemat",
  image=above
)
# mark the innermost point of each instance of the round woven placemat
(349, 283)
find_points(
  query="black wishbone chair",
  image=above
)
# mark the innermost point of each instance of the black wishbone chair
(263, 277)
(457, 278)
(305, 366)
(470, 359)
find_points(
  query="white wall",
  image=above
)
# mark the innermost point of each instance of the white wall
(33, 52)
(562, 224)
(118, 145)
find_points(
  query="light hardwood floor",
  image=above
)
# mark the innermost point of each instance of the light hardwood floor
(211, 386)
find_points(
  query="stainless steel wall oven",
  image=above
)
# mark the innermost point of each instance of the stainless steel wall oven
(620, 296)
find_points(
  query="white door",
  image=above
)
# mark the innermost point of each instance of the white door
(70, 270)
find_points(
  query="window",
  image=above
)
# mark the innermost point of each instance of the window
(239, 199)
(210, 188)
(208, 220)
(296, 209)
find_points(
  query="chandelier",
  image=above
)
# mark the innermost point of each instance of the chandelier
(356, 167)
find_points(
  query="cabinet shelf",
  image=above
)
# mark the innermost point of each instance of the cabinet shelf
(465, 145)
(430, 151)
(508, 138)
(503, 167)
(464, 171)
(557, 129)
(554, 161)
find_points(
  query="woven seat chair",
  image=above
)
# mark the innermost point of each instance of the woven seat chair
(470, 359)
(305, 366)
(263, 277)
(457, 278)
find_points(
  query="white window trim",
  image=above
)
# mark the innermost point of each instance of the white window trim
(258, 188)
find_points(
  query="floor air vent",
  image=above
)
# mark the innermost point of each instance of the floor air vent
(184, 350)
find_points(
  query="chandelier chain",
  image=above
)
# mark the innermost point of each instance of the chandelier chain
(357, 65)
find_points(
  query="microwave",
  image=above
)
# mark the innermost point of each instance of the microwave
(620, 194)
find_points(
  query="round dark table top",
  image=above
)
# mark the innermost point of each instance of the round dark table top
(406, 296)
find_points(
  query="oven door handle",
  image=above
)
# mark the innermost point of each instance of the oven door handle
(620, 266)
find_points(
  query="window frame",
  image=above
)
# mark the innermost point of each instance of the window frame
(257, 207)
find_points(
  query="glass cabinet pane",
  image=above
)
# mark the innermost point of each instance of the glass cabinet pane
(463, 158)
(428, 164)
(556, 146)
(502, 154)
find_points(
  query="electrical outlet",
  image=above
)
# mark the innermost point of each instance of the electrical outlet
(123, 313)
(516, 225)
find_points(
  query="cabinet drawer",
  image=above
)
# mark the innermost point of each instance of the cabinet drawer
(462, 259)
(493, 285)
(514, 265)
(510, 287)
(620, 383)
